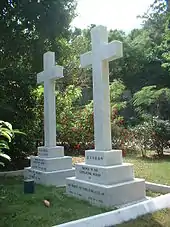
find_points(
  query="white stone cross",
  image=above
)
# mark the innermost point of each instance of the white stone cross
(102, 52)
(48, 76)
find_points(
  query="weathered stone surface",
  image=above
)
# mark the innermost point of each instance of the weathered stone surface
(51, 164)
(56, 178)
(103, 158)
(104, 174)
(48, 76)
(51, 152)
(102, 52)
(106, 195)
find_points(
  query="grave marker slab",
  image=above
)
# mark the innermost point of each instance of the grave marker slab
(50, 167)
(103, 179)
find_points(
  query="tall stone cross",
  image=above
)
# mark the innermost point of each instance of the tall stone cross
(102, 52)
(48, 76)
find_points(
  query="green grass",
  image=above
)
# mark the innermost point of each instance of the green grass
(24, 210)
(157, 171)
(151, 169)
(19, 210)
(158, 219)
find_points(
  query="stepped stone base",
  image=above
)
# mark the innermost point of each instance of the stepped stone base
(107, 195)
(50, 167)
(104, 180)
(56, 178)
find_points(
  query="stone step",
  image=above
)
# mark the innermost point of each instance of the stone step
(51, 164)
(106, 195)
(56, 178)
(51, 152)
(103, 158)
(104, 174)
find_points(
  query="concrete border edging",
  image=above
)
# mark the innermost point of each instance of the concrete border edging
(12, 173)
(122, 215)
(157, 187)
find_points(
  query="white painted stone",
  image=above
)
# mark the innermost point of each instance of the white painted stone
(122, 215)
(99, 58)
(104, 174)
(50, 167)
(12, 173)
(110, 183)
(51, 152)
(106, 195)
(157, 187)
(48, 76)
(56, 178)
(51, 164)
(103, 158)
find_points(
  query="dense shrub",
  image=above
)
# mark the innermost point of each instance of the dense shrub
(160, 135)
(141, 137)
(152, 134)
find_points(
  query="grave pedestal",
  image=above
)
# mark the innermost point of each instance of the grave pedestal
(104, 180)
(50, 167)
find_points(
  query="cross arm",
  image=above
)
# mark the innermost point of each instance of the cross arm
(112, 51)
(40, 77)
(50, 74)
(86, 59)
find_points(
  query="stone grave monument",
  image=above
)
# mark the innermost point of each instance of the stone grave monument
(50, 167)
(104, 179)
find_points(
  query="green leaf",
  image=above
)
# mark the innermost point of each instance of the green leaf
(3, 145)
(2, 164)
(6, 135)
(7, 124)
(5, 156)
(17, 131)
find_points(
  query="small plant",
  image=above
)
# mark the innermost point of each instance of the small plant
(6, 135)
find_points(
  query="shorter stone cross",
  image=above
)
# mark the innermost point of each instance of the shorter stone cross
(48, 76)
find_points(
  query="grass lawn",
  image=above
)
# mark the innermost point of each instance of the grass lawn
(17, 209)
(20, 210)
(158, 219)
(151, 169)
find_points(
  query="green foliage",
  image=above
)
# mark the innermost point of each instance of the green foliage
(153, 133)
(160, 135)
(150, 100)
(117, 89)
(7, 133)
(74, 123)
(141, 137)
(28, 29)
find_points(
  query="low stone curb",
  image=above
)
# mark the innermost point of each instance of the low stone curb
(122, 215)
(12, 173)
(157, 187)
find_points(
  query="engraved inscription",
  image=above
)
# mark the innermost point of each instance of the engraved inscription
(43, 152)
(39, 164)
(34, 175)
(97, 158)
(90, 171)
(81, 189)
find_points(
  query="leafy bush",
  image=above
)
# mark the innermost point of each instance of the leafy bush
(153, 101)
(152, 134)
(74, 122)
(160, 135)
(120, 133)
(7, 133)
(141, 137)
